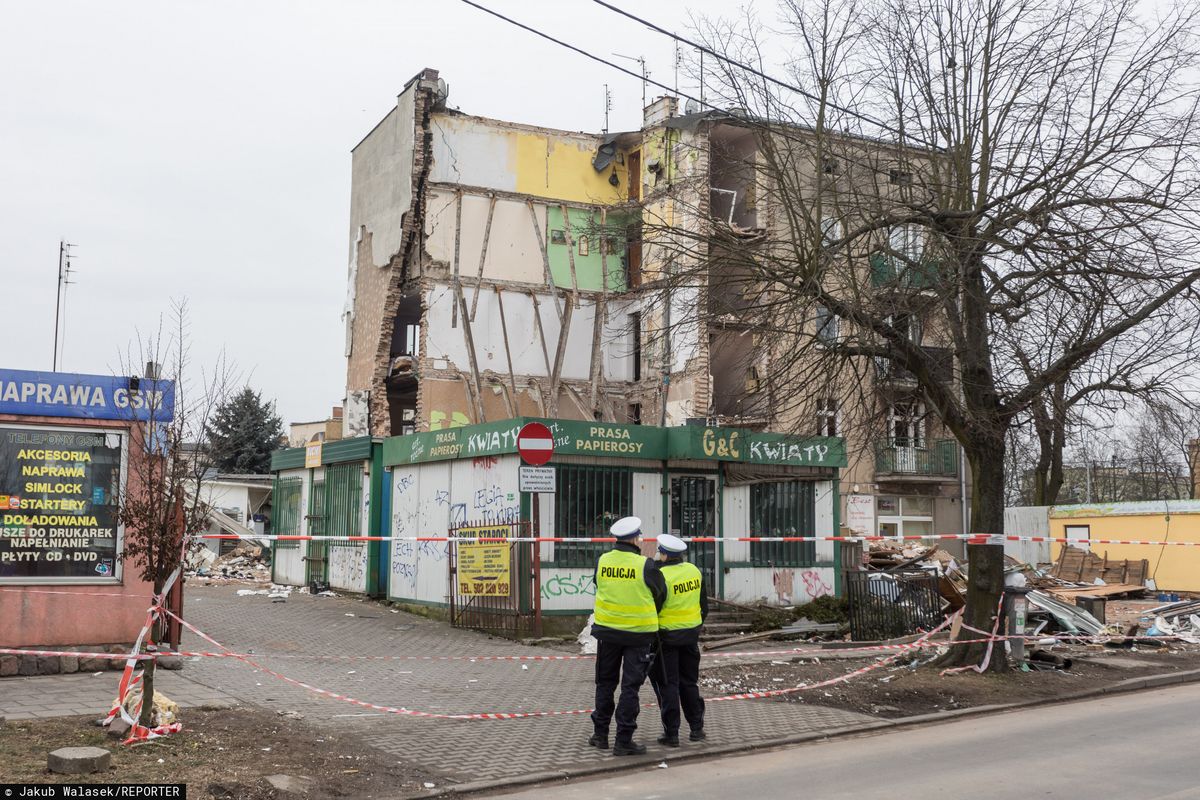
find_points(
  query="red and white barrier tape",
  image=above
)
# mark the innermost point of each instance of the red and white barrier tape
(527, 714)
(970, 538)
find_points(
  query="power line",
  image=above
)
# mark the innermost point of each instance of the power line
(631, 73)
(784, 84)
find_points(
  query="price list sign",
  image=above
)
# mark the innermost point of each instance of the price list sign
(59, 492)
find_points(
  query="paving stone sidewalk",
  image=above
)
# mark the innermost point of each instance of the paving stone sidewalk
(284, 636)
(92, 693)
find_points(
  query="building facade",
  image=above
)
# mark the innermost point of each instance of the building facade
(500, 270)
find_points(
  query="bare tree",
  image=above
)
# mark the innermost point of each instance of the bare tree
(995, 199)
(161, 505)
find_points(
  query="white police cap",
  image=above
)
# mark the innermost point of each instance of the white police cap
(671, 545)
(626, 527)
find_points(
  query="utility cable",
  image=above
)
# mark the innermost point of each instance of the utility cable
(639, 76)
(752, 70)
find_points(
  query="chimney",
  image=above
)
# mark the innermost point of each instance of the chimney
(337, 413)
(660, 111)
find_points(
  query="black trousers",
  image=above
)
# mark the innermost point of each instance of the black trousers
(627, 666)
(676, 681)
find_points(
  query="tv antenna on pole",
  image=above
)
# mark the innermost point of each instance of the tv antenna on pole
(641, 62)
(607, 106)
(64, 278)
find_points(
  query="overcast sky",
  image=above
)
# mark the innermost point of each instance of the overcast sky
(201, 150)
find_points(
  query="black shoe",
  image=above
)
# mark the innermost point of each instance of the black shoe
(598, 741)
(628, 749)
(697, 735)
(667, 740)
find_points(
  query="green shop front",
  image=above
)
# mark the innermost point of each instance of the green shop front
(333, 489)
(689, 481)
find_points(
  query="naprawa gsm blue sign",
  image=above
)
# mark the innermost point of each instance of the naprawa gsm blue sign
(64, 394)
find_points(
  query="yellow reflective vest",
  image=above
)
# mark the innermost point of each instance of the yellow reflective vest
(623, 600)
(682, 609)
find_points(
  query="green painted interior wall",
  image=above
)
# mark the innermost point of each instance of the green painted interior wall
(588, 268)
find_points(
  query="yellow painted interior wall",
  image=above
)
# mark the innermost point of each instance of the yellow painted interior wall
(548, 166)
(1179, 568)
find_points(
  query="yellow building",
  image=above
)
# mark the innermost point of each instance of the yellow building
(1173, 566)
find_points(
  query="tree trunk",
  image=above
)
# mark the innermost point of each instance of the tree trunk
(985, 564)
(146, 716)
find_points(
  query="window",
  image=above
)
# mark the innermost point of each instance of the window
(831, 230)
(584, 245)
(558, 237)
(635, 336)
(905, 516)
(588, 501)
(286, 508)
(899, 177)
(906, 242)
(827, 324)
(830, 166)
(908, 326)
(827, 416)
(906, 423)
(782, 508)
(753, 380)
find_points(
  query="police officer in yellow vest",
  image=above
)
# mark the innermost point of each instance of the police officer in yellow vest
(629, 593)
(676, 672)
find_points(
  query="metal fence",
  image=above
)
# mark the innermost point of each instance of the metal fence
(887, 605)
(503, 601)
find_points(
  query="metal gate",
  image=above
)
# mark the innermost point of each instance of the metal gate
(490, 595)
(887, 605)
(316, 559)
(694, 513)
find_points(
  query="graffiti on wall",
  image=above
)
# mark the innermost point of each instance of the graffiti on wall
(814, 584)
(568, 586)
(348, 566)
(784, 580)
(491, 505)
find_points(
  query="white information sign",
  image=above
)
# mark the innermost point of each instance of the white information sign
(537, 480)
(860, 514)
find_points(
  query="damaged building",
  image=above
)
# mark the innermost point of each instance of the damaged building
(500, 270)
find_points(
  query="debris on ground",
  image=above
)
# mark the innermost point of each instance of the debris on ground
(165, 710)
(587, 642)
(246, 562)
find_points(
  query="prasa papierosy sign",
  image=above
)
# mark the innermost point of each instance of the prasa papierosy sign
(65, 394)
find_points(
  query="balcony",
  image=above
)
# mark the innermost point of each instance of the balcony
(889, 272)
(933, 459)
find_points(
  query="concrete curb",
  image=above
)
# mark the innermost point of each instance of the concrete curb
(612, 764)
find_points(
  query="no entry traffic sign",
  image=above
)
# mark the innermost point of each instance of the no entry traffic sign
(535, 443)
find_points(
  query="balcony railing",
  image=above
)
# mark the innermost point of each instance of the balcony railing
(936, 458)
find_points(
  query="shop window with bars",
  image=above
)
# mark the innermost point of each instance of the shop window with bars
(589, 499)
(286, 511)
(343, 502)
(782, 508)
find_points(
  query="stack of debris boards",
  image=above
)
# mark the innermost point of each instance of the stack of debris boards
(1082, 572)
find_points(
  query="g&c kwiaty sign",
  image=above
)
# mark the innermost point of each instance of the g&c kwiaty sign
(65, 394)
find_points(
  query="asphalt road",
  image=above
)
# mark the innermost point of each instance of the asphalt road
(1140, 746)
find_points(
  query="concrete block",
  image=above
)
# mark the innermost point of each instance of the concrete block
(291, 784)
(118, 728)
(92, 664)
(171, 662)
(49, 665)
(79, 760)
(9, 665)
(69, 663)
(29, 665)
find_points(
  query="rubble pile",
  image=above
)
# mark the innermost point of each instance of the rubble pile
(246, 562)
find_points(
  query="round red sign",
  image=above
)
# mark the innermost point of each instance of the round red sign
(535, 443)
